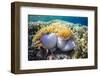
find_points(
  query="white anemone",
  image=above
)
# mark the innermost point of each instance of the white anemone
(65, 45)
(49, 41)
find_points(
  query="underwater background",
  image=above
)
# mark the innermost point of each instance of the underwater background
(45, 18)
(79, 26)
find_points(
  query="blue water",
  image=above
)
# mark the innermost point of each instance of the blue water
(45, 18)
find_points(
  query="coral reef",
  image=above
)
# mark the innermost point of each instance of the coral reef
(56, 40)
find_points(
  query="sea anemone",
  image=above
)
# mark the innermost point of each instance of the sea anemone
(49, 41)
(65, 45)
(57, 28)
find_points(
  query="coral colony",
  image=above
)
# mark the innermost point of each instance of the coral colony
(56, 40)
